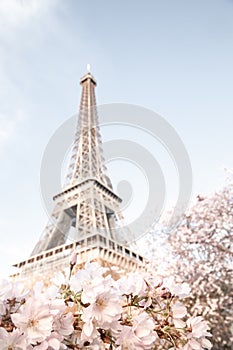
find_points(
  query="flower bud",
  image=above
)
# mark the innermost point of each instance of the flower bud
(73, 259)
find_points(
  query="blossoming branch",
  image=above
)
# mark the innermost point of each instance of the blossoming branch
(90, 310)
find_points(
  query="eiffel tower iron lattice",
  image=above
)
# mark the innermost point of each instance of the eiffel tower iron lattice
(86, 215)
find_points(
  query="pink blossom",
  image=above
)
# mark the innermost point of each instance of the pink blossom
(132, 284)
(200, 344)
(63, 324)
(90, 281)
(192, 344)
(205, 343)
(105, 309)
(34, 320)
(15, 340)
(178, 312)
(8, 291)
(53, 342)
(89, 330)
(199, 327)
(128, 340)
(181, 290)
(61, 277)
(143, 328)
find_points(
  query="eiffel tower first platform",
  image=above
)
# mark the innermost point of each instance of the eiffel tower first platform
(86, 217)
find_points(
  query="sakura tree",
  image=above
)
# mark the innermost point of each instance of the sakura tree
(200, 250)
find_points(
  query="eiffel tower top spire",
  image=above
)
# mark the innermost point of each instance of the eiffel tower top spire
(87, 159)
(88, 75)
(88, 67)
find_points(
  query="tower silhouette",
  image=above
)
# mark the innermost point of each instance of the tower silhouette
(86, 215)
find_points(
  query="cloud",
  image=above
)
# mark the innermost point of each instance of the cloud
(17, 12)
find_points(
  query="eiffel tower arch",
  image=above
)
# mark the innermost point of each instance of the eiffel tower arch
(86, 217)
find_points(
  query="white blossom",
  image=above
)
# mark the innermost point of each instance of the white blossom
(34, 320)
(12, 341)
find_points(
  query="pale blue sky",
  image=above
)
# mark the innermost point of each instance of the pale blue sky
(174, 57)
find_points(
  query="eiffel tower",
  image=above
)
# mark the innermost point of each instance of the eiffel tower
(86, 217)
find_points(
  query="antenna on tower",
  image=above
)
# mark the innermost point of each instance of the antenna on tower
(88, 68)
